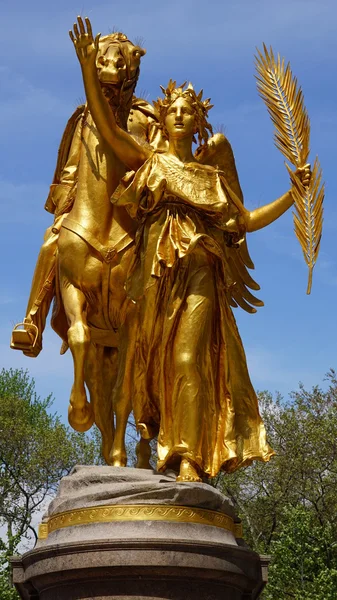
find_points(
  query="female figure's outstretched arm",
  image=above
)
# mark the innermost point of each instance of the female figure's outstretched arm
(132, 154)
(267, 214)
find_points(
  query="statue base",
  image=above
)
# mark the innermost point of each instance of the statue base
(130, 534)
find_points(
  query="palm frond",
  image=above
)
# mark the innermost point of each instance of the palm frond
(284, 100)
(283, 97)
(308, 218)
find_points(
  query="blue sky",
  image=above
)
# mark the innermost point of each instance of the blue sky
(291, 339)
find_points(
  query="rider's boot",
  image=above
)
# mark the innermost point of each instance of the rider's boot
(27, 336)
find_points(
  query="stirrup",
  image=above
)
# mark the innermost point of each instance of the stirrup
(24, 337)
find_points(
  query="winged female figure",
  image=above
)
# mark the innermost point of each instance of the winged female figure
(188, 380)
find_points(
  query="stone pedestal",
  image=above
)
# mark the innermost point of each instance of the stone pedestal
(129, 534)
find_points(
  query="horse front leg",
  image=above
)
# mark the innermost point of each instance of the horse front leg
(80, 412)
(100, 375)
(122, 397)
(123, 393)
(118, 456)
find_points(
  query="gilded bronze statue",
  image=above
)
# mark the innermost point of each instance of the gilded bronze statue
(149, 257)
(189, 382)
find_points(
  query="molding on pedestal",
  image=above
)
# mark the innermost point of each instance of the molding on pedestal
(138, 512)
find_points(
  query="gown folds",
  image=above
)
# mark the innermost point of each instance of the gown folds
(188, 381)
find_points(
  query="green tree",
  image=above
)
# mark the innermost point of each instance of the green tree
(36, 450)
(304, 555)
(302, 476)
(7, 592)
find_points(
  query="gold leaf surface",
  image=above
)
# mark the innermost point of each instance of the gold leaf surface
(285, 103)
(308, 218)
(283, 97)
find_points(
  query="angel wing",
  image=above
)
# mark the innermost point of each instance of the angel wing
(219, 153)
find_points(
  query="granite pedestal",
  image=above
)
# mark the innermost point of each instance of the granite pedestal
(129, 534)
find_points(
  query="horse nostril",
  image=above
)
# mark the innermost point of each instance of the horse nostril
(120, 63)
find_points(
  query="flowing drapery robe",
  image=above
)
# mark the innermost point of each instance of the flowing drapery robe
(189, 379)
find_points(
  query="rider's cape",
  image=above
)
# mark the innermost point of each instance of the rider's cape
(63, 188)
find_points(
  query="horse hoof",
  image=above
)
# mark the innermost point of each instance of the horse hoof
(143, 453)
(117, 459)
(81, 419)
(118, 463)
(143, 464)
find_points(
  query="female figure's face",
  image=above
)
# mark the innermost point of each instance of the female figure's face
(180, 119)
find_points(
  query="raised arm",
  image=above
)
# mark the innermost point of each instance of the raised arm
(132, 154)
(263, 216)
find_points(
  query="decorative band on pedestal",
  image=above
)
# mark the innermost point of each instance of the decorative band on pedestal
(138, 512)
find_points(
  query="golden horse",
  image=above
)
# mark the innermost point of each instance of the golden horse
(82, 261)
(94, 247)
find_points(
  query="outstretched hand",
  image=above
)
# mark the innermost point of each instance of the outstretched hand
(304, 174)
(85, 45)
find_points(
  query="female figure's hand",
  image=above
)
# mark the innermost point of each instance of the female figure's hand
(304, 174)
(85, 45)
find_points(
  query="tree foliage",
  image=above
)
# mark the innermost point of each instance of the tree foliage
(36, 450)
(7, 548)
(293, 499)
(304, 555)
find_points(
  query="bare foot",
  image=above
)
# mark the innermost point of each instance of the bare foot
(187, 472)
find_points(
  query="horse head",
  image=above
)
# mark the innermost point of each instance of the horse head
(118, 60)
(117, 63)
